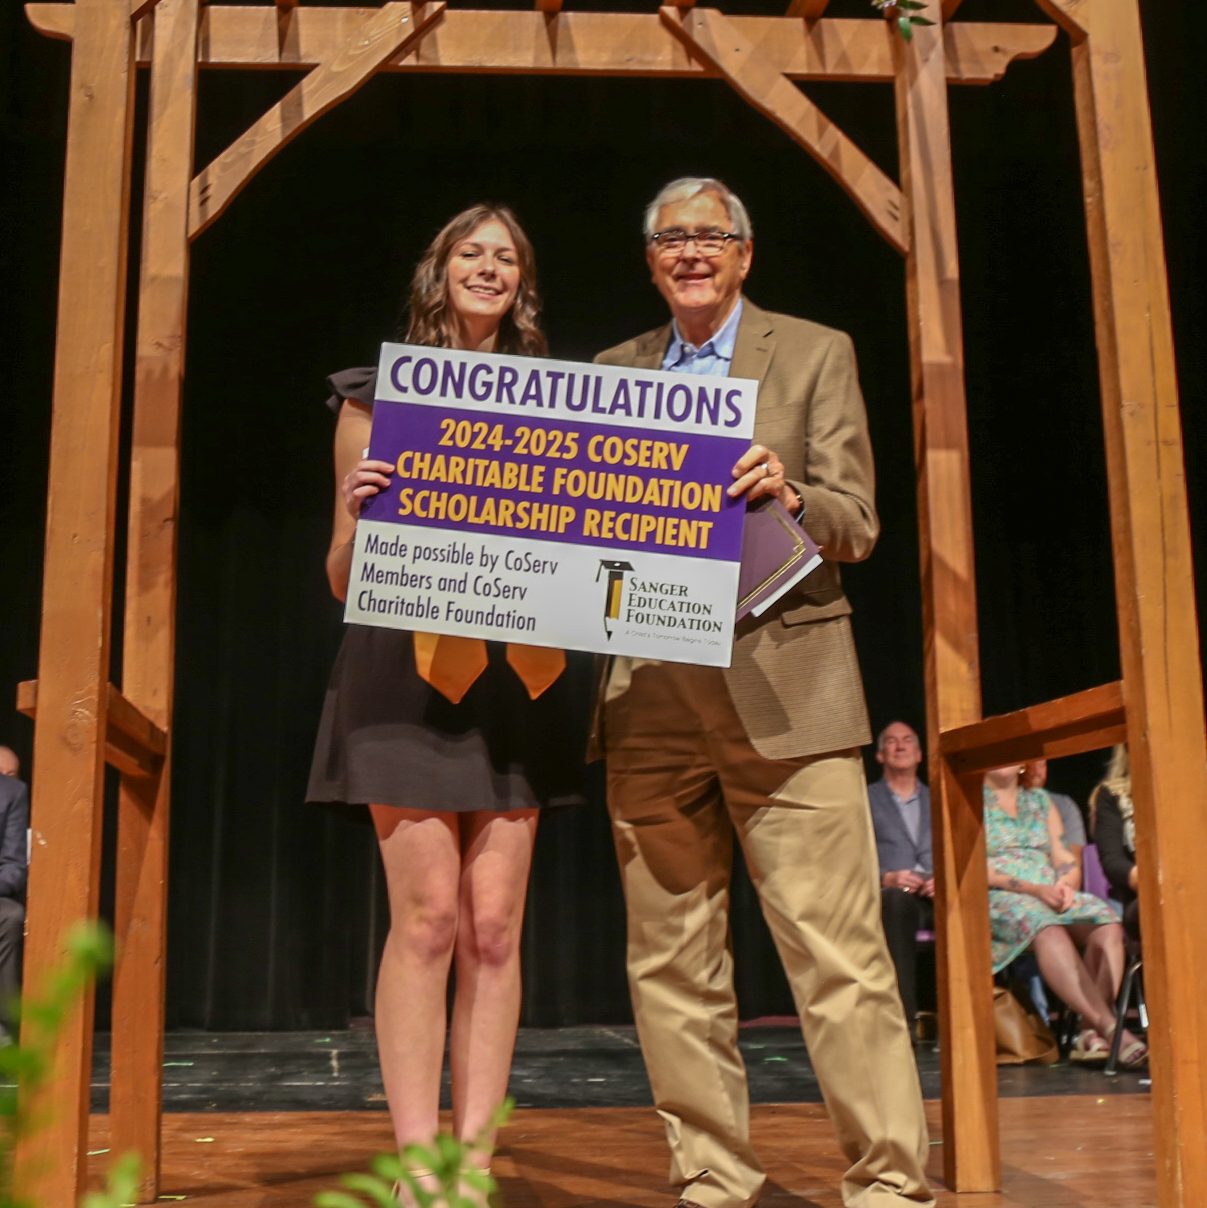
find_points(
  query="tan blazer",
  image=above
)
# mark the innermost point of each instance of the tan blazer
(794, 677)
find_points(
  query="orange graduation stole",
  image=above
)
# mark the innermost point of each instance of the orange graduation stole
(451, 664)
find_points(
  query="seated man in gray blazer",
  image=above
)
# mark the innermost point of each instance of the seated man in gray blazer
(14, 823)
(901, 819)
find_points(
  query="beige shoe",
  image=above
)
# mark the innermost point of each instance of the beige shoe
(1089, 1048)
(477, 1197)
(402, 1192)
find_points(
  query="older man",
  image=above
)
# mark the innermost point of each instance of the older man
(766, 750)
(14, 846)
(901, 820)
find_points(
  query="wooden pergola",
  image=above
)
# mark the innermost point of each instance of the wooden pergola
(84, 721)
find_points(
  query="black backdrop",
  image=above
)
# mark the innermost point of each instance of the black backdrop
(276, 908)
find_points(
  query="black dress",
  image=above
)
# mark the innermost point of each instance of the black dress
(387, 737)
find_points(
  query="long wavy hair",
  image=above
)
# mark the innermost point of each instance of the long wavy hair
(429, 317)
(1118, 782)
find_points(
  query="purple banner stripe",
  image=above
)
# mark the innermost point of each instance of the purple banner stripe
(558, 480)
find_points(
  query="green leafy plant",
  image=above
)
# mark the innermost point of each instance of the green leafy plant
(121, 1185)
(446, 1174)
(25, 1066)
(903, 14)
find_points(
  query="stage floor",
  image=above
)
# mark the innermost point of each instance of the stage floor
(553, 1068)
(1065, 1151)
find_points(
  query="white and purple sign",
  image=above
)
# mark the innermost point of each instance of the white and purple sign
(554, 503)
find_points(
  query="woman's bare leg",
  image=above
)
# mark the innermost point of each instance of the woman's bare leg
(1063, 970)
(494, 883)
(421, 852)
(1105, 955)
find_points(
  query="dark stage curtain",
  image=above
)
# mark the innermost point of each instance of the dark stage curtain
(277, 908)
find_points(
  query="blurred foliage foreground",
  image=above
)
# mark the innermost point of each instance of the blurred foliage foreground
(447, 1174)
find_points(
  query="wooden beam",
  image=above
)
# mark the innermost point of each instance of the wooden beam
(811, 10)
(709, 36)
(949, 8)
(140, 8)
(971, 1160)
(1085, 721)
(512, 42)
(73, 663)
(134, 744)
(140, 913)
(347, 68)
(1154, 573)
(549, 6)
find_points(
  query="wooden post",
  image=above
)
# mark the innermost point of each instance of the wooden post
(136, 1089)
(1154, 577)
(953, 694)
(73, 669)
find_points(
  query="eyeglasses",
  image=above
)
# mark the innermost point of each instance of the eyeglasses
(673, 241)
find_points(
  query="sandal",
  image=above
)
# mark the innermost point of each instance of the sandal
(1089, 1048)
(475, 1194)
(401, 1190)
(1134, 1055)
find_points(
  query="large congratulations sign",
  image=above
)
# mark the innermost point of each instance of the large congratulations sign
(554, 503)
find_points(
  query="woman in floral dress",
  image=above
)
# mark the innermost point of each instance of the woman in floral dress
(1034, 902)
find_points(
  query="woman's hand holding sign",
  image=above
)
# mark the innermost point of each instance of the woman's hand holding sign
(366, 479)
(760, 472)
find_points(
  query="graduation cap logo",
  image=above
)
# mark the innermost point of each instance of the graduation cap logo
(616, 572)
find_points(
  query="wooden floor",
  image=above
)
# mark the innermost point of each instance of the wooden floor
(1059, 1152)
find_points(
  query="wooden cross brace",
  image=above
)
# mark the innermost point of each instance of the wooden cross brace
(391, 28)
(712, 38)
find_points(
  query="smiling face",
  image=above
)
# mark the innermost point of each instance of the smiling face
(695, 285)
(484, 273)
(900, 749)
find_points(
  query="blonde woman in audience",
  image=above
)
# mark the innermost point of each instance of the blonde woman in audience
(1112, 818)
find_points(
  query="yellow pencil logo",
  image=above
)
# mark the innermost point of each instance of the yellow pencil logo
(612, 591)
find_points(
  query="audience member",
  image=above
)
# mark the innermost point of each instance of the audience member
(901, 819)
(14, 849)
(1032, 903)
(1036, 777)
(1114, 825)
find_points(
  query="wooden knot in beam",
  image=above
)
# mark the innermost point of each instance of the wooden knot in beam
(134, 744)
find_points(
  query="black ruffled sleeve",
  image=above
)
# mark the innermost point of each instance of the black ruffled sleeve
(359, 384)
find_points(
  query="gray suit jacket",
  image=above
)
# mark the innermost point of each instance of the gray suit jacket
(894, 845)
(14, 841)
(795, 678)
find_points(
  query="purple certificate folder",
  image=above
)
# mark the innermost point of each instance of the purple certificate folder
(776, 554)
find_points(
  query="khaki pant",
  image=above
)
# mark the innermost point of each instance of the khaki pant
(682, 779)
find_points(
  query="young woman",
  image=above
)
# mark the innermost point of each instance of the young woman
(452, 776)
(1033, 903)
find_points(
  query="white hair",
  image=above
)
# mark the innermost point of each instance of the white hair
(687, 187)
